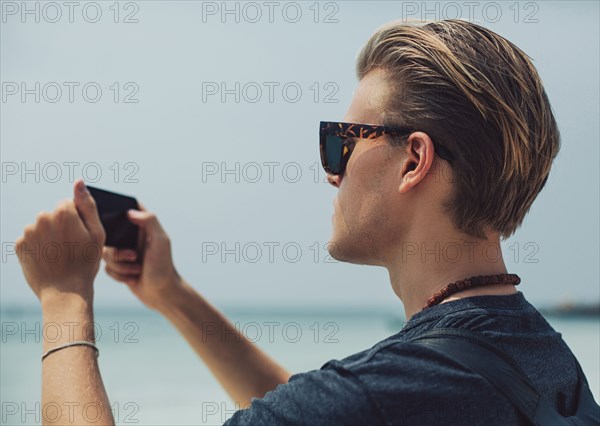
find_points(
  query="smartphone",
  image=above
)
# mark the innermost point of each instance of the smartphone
(112, 209)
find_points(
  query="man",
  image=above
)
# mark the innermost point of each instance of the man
(453, 138)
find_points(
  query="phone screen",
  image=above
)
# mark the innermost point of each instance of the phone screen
(112, 209)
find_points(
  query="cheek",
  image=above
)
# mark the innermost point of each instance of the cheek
(363, 190)
(366, 162)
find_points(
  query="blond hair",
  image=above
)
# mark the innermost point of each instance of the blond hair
(480, 96)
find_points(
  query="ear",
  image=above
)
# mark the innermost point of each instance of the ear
(419, 152)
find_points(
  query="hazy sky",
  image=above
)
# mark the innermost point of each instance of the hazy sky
(212, 124)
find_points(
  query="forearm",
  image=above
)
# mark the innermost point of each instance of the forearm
(72, 388)
(239, 365)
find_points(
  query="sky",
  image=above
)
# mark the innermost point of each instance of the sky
(207, 112)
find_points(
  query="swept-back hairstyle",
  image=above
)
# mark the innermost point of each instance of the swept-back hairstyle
(480, 96)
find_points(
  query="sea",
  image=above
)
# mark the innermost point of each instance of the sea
(153, 377)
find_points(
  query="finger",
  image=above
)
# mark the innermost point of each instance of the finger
(86, 207)
(42, 218)
(19, 244)
(125, 268)
(112, 254)
(145, 220)
(142, 235)
(127, 279)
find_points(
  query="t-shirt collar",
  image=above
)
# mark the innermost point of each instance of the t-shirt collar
(510, 301)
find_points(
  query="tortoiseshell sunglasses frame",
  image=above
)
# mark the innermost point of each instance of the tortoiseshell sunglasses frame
(361, 131)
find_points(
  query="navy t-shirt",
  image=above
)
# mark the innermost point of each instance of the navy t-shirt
(401, 383)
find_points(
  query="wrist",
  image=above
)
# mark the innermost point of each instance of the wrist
(53, 300)
(50, 295)
(68, 317)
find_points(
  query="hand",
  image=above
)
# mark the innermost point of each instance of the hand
(60, 254)
(154, 280)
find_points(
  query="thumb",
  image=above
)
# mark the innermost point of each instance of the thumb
(88, 212)
(144, 219)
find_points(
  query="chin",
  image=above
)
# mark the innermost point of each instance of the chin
(351, 247)
(345, 249)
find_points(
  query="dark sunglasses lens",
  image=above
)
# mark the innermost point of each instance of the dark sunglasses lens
(333, 153)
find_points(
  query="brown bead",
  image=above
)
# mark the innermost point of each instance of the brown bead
(477, 281)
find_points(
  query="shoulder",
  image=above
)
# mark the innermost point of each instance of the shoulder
(395, 382)
(325, 396)
(416, 384)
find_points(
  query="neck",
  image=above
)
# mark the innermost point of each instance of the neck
(427, 264)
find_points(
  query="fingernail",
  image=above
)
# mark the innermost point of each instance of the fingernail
(82, 188)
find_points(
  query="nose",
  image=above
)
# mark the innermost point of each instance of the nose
(334, 180)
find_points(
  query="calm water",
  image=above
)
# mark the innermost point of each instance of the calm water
(154, 378)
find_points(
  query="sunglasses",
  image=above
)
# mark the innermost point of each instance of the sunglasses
(337, 140)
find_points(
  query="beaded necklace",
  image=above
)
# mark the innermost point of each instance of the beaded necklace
(478, 281)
